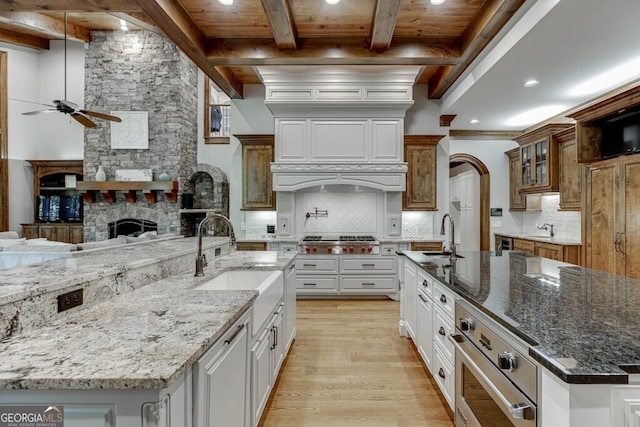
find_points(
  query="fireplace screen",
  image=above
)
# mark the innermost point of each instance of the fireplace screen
(130, 227)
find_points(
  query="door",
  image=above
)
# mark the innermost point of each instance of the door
(631, 237)
(601, 221)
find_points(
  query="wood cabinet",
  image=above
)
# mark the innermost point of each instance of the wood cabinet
(426, 246)
(570, 177)
(611, 225)
(57, 202)
(524, 245)
(539, 159)
(251, 246)
(420, 153)
(257, 188)
(555, 251)
(517, 201)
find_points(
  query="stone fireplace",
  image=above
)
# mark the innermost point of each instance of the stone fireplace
(140, 71)
(131, 227)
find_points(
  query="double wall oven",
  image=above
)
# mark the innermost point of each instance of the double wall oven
(496, 383)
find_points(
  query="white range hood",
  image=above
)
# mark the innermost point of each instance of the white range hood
(339, 125)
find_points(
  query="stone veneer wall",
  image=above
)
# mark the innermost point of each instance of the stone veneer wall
(140, 71)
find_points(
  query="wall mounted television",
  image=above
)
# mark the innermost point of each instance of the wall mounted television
(621, 134)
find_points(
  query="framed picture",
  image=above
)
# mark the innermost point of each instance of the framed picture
(132, 133)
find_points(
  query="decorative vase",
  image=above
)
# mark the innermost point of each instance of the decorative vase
(101, 175)
(164, 176)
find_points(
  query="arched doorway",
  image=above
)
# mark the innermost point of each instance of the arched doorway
(485, 193)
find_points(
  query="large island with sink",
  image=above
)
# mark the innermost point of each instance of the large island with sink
(143, 347)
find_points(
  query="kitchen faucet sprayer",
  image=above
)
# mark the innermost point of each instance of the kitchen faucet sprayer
(201, 260)
(452, 244)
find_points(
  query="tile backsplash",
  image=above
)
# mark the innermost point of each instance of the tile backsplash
(255, 224)
(417, 225)
(347, 212)
(566, 224)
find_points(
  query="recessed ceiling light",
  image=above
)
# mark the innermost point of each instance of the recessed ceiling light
(437, 2)
(226, 2)
(531, 83)
(474, 121)
(332, 1)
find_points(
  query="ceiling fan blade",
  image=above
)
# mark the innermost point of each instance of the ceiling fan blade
(33, 113)
(84, 120)
(65, 103)
(101, 115)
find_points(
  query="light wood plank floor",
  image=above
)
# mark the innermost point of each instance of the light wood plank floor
(349, 367)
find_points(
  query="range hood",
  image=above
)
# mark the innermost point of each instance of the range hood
(339, 125)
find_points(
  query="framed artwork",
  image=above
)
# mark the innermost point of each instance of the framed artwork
(132, 133)
(217, 117)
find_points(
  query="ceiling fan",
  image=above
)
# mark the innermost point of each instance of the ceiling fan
(68, 107)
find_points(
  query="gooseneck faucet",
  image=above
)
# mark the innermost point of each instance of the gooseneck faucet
(452, 244)
(201, 260)
(546, 227)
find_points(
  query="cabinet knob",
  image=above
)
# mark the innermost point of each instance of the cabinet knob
(507, 361)
(466, 324)
(441, 331)
(441, 373)
(443, 299)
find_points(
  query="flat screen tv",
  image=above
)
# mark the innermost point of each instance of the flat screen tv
(621, 134)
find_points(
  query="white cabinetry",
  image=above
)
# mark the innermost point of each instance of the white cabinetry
(411, 296)
(316, 275)
(290, 305)
(424, 327)
(339, 140)
(221, 379)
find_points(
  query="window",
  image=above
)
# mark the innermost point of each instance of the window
(217, 117)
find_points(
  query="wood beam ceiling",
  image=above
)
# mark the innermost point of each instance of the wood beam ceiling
(281, 22)
(51, 28)
(24, 40)
(138, 19)
(178, 26)
(69, 6)
(384, 22)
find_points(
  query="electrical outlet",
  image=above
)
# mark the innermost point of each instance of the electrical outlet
(69, 300)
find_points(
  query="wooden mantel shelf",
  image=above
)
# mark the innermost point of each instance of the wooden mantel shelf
(151, 189)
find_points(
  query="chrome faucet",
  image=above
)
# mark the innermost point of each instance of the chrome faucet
(201, 260)
(546, 227)
(452, 244)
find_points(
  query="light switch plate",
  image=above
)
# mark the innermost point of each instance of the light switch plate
(283, 226)
(394, 226)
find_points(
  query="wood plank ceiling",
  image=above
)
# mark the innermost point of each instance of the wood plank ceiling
(226, 42)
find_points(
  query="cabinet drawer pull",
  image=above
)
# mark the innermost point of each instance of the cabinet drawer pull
(310, 265)
(274, 331)
(423, 298)
(425, 283)
(368, 265)
(309, 284)
(441, 331)
(235, 334)
(441, 373)
(443, 299)
(368, 284)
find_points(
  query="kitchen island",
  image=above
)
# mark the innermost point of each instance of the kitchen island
(135, 343)
(579, 325)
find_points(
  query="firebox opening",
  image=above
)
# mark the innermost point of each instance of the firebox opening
(130, 227)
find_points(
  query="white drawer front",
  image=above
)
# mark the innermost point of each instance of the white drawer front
(388, 250)
(443, 374)
(425, 283)
(359, 265)
(443, 326)
(444, 298)
(317, 284)
(363, 284)
(317, 265)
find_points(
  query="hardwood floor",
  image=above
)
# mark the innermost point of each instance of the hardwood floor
(349, 367)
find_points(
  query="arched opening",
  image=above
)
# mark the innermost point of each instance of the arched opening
(485, 193)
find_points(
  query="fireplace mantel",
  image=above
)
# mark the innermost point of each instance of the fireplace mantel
(151, 189)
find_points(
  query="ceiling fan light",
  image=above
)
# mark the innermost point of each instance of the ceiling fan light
(437, 2)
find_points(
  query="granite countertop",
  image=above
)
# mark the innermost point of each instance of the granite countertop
(566, 241)
(144, 339)
(581, 324)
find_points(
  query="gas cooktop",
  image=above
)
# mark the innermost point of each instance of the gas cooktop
(342, 238)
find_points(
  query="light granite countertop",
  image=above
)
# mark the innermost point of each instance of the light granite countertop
(142, 339)
(566, 241)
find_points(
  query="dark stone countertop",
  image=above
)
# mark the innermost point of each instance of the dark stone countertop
(581, 324)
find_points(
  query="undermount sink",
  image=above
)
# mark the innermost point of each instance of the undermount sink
(268, 283)
(442, 254)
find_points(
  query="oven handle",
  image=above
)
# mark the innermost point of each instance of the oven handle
(517, 410)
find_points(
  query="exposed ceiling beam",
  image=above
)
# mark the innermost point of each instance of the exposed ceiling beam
(483, 28)
(24, 40)
(51, 27)
(69, 5)
(384, 22)
(328, 51)
(498, 135)
(178, 26)
(138, 19)
(281, 23)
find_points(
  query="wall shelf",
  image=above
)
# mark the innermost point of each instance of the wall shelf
(108, 189)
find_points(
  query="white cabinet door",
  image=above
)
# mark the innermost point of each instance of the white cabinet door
(291, 140)
(387, 140)
(424, 329)
(260, 375)
(221, 379)
(411, 294)
(290, 306)
(89, 415)
(277, 342)
(339, 141)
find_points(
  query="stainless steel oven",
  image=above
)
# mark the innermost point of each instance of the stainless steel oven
(496, 384)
